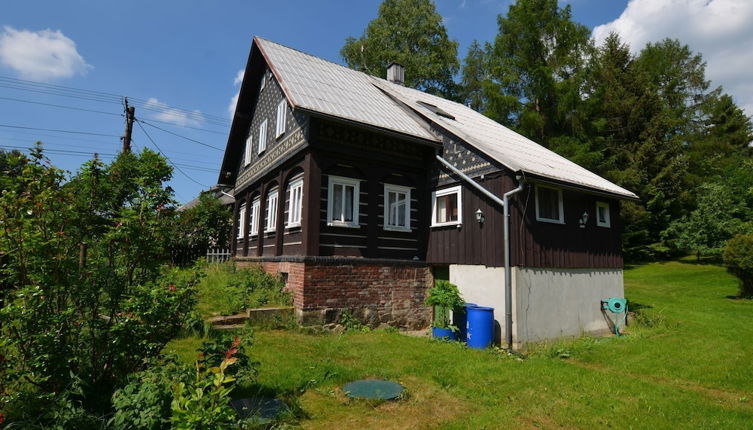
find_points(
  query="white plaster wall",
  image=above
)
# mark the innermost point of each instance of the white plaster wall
(483, 286)
(552, 303)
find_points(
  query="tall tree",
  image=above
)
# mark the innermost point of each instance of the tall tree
(538, 57)
(411, 33)
(475, 75)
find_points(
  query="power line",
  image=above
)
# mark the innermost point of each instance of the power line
(168, 158)
(60, 106)
(101, 154)
(181, 136)
(105, 97)
(90, 133)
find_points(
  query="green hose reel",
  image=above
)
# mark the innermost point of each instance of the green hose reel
(617, 311)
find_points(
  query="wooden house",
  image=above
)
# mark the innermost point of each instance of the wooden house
(360, 192)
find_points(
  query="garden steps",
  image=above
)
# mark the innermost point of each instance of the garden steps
(274, 316)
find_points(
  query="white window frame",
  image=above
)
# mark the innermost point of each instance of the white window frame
(440, 193)
(608, 222)
(390, 188)
(241, 221)
(282, 109)
(254, 219)
(561, 219)
(270, 224)
(263, 136)
(263, 81)
(248, 150)
(295, 204)
(345, 182)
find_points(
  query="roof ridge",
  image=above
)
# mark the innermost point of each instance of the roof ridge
(313, 56)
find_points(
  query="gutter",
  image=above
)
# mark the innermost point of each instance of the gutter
(504, 202)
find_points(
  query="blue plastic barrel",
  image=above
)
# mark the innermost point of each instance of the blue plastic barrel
(480, 327)
(460, 320)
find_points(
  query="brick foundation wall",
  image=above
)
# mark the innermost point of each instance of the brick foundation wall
(376, 292)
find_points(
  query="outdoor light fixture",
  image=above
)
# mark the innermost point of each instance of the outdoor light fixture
(583, 220)
(480, 216)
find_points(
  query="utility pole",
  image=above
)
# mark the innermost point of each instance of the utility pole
(130, 113)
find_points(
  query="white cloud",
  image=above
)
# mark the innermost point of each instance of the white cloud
(236, 82)
(40, 55)
(718, 29)
(173, 115)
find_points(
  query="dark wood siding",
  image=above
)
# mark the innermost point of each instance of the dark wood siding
(472, 242)
(374, 160)
(542, 244)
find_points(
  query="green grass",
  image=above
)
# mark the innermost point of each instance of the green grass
(688, 365)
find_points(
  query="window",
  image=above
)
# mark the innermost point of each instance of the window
(263, 81)
(254, 217)
(602, 214)
(342, 201)
(446, 207)
(263, 136)
(396, 207)
(549, 205)
(241, 221)
(280, 126)
(247, 152)
(271, 211)
(295, 190)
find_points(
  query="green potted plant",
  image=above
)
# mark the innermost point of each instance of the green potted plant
(445, 297)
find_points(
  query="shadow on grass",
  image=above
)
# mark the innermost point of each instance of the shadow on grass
(635, 306)
(293, 412)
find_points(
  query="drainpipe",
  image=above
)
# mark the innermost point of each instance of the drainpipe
(508, 269)
(506, 214)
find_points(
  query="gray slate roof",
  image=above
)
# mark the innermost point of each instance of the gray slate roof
(317, 85)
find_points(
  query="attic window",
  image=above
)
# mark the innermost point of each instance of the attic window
(436, 109)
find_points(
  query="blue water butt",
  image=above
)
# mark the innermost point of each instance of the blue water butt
(480, 327)
(460, 320)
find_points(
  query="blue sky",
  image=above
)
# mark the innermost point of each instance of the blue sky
(184, 54)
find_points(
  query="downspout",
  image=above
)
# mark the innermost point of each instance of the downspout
(504, 202)
(508, 269)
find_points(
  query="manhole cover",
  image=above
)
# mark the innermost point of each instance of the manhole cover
(373, 389)
(264, 409)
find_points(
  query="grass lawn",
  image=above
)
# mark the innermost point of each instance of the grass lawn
(687, 365)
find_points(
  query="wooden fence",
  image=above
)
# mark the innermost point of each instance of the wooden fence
(218, 255)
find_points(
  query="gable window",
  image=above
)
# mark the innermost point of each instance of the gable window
(247, 152)
(342, 201)
(263, 136)
(280, 126)
(396, 207)
(271, 211)
(263, 81)
(295, 190)
(549, 205)
(241, 220)
(602, 214)
(253, 217)
(446, 207)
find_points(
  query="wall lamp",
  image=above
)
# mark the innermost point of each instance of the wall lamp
(583, 220)
(480, 216)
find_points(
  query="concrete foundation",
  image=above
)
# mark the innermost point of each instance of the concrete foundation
(547, 303)
(554, 303)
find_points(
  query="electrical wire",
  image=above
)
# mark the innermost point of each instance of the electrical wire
(60, 106)
(90, 133)
(181, 136)
(168, 158)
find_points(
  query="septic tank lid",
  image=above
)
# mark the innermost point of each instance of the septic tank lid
(373, 389)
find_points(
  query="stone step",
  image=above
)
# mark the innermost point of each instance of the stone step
(228, 319)
(256, 316)
(229, 327)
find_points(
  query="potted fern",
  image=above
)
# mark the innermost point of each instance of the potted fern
(445, 297)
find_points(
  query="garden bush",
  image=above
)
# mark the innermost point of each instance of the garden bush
(227, 289)
(86, 299)
(738, 257)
